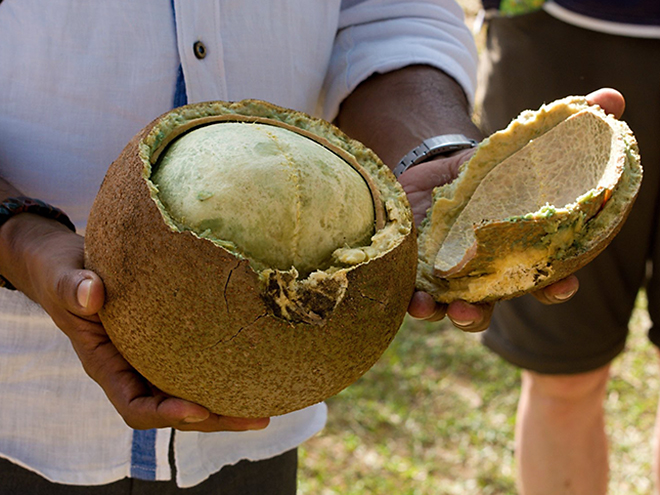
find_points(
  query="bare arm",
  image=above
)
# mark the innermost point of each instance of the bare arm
(393, 113)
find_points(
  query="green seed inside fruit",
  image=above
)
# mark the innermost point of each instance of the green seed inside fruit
(282, 199)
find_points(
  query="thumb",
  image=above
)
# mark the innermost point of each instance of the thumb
(85, 293)
(608, 99)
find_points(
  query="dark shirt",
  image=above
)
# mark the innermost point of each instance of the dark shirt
(642, 12)
(639, 12)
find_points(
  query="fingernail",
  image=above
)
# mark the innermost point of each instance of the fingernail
(193, 419)
(260, 424)
(564, 296)
(84, 292)
(463, 324)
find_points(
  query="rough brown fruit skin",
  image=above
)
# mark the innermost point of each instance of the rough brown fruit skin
(191, 316)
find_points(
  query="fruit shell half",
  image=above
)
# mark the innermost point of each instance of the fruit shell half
(516, 255)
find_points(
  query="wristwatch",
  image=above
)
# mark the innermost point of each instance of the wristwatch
(431, 147)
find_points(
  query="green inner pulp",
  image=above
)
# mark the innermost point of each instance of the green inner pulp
(278, 198)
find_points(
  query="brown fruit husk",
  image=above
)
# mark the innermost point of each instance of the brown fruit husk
(481, 242)
(199, 322)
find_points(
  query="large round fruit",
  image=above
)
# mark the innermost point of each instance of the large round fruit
(265, 274)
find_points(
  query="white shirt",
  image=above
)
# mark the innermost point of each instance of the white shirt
(77, 80)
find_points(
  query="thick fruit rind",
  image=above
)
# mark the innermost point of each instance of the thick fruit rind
(524, 253)
(197, 321)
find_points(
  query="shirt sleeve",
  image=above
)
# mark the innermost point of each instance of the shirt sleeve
(378, 36)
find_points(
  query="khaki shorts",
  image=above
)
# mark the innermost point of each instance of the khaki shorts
(533, 59)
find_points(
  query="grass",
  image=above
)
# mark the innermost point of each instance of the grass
(436, 416)
(418, 422)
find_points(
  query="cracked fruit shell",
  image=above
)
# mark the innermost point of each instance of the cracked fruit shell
(256, 260)
(537, 201)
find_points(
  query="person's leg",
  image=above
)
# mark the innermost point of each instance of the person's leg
(561, 446)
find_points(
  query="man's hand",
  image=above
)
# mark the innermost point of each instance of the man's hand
(44, 259)
(419, 181)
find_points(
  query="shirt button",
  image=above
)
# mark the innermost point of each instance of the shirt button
(200, 50)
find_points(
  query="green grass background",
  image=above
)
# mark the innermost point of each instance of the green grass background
(436, 416)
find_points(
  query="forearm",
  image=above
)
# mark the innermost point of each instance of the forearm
(394, 112)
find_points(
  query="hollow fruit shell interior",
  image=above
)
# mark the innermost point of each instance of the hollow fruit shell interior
(503, 256)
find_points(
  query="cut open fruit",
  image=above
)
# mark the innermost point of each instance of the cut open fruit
(536, 201)
(206, 298)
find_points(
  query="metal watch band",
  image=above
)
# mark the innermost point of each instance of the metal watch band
(438, 145)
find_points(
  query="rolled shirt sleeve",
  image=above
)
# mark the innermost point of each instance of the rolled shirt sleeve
(378, 36)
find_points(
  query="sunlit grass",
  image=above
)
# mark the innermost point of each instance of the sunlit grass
(436, 416)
